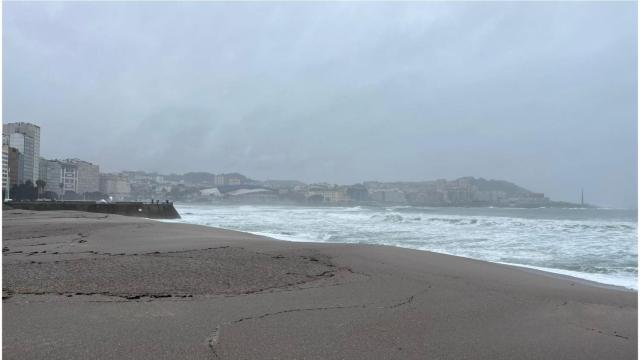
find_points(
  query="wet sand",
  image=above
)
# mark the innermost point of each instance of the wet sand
(85, 285)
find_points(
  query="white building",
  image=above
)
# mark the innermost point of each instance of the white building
(71, 175)
(88, 176)
(219, 180)
(115, 185)
(26, 138)
(5, 169)
(329, 193)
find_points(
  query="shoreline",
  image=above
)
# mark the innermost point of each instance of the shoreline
(391, 205)
(559, 273)
(107, 286)
(550, 273)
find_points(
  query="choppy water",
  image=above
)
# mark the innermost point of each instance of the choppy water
(594, 244)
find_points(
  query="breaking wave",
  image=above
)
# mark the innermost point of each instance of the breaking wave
(598, 245)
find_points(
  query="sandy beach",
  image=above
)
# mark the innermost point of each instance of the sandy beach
(96, 286)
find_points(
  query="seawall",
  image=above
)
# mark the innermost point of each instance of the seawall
(139, 209)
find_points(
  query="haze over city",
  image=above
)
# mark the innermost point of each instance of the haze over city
(541, 94)
(329, 180)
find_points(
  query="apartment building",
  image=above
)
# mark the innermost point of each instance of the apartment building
(71, 175)
(115, 185)
(25, 137)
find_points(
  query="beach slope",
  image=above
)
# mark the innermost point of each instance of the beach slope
(85, 285)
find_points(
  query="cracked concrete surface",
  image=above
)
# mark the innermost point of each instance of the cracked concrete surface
(79, 285)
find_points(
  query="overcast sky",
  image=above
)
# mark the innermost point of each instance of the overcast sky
(541, 94)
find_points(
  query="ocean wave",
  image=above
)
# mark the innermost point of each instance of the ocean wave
(597, 244)
(387, 217)
(454, 221)
(393, 218)
(616, 279)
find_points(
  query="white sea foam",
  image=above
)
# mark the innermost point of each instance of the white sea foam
(597, 245)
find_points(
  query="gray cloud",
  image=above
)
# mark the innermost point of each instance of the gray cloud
(542, 94)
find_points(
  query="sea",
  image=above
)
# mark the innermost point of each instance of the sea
(600, 245)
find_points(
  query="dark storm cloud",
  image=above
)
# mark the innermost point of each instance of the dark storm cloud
(542, 94)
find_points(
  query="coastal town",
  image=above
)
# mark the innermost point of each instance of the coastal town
(323, 180)
(29, 176)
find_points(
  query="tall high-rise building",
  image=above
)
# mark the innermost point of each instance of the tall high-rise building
(5, 170)
(42, 164)
(25, 145)
(26, 138)
(15, 165)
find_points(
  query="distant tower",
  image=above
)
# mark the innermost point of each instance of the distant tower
(582, 197)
